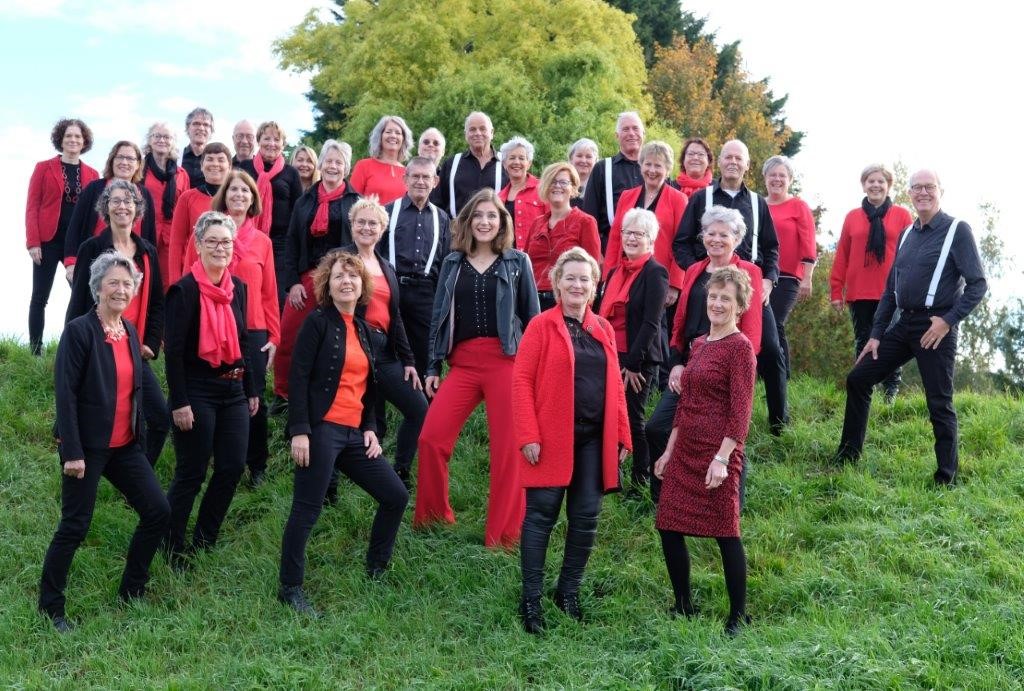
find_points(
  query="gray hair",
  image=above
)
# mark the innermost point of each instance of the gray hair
(746, 151)
(211, 219)
(439, 136)
(103, 203)
(147, 149)
(102, 265)
(732, 219)
(582, 143)
(195, 113)
(642, 219)
(876, 168)
(342, 148)
(514, 143)
(658, 148)
(628, 114)
(422, 162)
(485, 116)
(778, 161)
(378, 132)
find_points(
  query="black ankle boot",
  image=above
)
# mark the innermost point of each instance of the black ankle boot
(570, 604)
(735, 624)
(295, 597)
(683, 609)
(533, 617)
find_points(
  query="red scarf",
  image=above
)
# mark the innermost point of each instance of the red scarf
(322, 219)
(263, 178)
(243, 240)
(218, 333)
(616, 292)
(688, 185)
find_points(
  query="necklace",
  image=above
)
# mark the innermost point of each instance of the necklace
(114, 332)
(68, 196)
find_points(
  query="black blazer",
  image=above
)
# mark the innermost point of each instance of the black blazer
(181, 340)
(84, 217)
(398, 340)
(81, 296)
(315, 371)
(85, 384)
(286, 188)
(303, 251)
(644, 311)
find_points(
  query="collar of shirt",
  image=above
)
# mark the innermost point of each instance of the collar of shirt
(407, 203)
(716, 185)
(939, 220)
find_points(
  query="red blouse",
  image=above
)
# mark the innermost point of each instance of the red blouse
(191, 205)
(122, 433)
(669, 212)
(857, 275)
(370, 176)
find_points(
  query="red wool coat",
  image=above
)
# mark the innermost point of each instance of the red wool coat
(45, 192)
(669, 211)
(543, 411)
(750, 321)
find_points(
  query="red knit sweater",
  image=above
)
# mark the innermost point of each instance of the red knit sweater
(856, 275)
(794, 226)
(191, 205)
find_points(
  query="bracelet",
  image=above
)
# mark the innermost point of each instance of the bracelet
(720, 459)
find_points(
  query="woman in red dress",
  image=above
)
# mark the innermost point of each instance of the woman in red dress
(701, 466)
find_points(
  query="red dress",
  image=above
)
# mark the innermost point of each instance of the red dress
(717, 397)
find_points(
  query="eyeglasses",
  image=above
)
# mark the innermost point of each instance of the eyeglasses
(160, 137)
(121, 157)
(419, 177)
(696, 154)
(366, 223)
(430, 142)
(121, 201)
(564, 184)
(634, 234)
(218, 244)
(930, 187)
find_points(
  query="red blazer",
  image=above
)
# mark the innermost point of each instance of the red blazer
(669, 211)
(191, 205)
(545, 245)
(45, 192)
(855, 274)
(541, 411)
(528, 207)
(750, 321)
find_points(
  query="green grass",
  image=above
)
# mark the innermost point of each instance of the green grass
(864, 578)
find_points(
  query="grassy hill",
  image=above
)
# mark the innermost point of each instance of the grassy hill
(866, 577)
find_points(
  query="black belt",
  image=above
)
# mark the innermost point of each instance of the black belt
(235, 374)
(411, 279)
(930, 311)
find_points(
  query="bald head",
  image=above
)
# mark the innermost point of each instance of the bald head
(244, 139)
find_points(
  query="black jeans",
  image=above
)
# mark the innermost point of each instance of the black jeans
(636, 409)
(221, 428)
(771, 365)
(394, 389)
(862, 313)
(416, 303)
(582, 506)
(337, 446)
(127, 470)
(257, 453)
(42, 284)
(158, 416)
(782, 301)
(897, 346)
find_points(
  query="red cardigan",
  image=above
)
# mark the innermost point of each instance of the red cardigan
(794, 226)
(853, 269)
(750, 321)
(669, 211)
(543, 413)
(45, 192)
(191, 205)
(545, 245)
(528, 207)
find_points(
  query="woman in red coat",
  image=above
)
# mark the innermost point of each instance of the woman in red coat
(52, 193)
(561, 228)
(521, 194)
(702, 464)
(864, 255)
(566, 349)
(166, 182)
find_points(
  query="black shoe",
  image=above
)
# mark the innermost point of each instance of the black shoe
(942, 480)
(257, 478)
(126, 597)
(60, 623)
(683, 610)
(179, 562)
(404, 476)
(533, 617)
(570, 604)
(890, 396)
(295, 597)
(735, 624)
(777, 428)
(844, 456)
(278, 406)
(376, 572)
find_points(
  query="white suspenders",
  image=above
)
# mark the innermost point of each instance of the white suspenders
(395, 210)
(933, 287)
(754, 210)
(451, 180)
(609, 199)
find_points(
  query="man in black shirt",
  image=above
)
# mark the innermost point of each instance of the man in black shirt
(415, 241)
(199, 127)
(468, 171)
(936, 280)
(625, 173)
(244, 139)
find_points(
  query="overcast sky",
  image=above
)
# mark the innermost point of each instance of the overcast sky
(929, 83)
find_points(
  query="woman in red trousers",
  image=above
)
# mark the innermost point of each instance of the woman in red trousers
(485, 297)
(570, 421)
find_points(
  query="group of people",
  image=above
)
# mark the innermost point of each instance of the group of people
(562, 302)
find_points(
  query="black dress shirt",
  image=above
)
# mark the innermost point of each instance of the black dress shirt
(414, 236)
(469, 178)
(191, 163)
(625, 174)
(589, 373)
(476, 300)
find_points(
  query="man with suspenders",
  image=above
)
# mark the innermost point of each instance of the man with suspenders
(616, 173)
(415, 241)
(469, 171)
(936, 280)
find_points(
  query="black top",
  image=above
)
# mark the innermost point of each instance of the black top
(644, 310)
(469, 178)
(72, 188)
(84, 217)
(654, 202)
(181, 340)
(191, 163)
(962, 283)
(476, 302)
(414, 236)
(81, 295)
(688, 248)
(625, 174)
(697, 322)
(398, 340)
(303, 251)
(286, 188)
(589, 373)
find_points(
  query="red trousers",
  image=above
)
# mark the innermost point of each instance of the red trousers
(291, 322)
(479, 371)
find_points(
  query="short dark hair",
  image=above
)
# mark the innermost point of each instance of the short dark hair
(57, 134)
(215, 148)
(702, 143)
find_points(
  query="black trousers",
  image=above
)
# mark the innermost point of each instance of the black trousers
(337, 446)
(394, 389)
(127, 470)
(156, 413)
(257, 452)
(416, 303)
(220, 429)
(862, 313)
(582, 506)
(636, 409)
(782, 301)
(901, 343)
(771, 366)
(280, 245)
(42, 284)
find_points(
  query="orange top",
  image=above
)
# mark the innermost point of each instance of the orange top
(378, 312)
(347, 408)
(122, 434)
